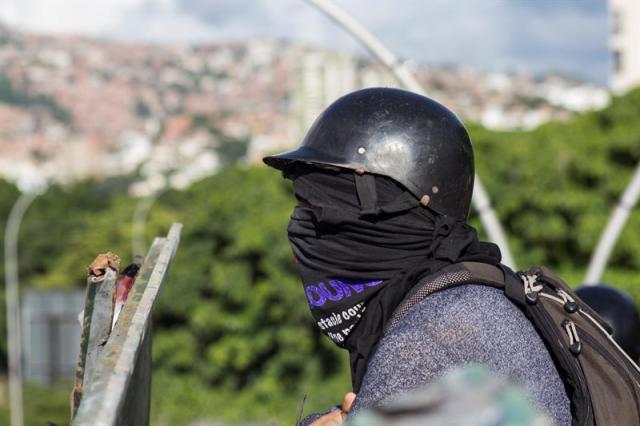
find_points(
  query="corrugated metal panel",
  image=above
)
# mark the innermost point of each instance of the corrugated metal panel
(51, 333)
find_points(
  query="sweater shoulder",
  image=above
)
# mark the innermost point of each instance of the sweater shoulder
(469, 324)
(484, 308)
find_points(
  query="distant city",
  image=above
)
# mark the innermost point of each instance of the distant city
(75, 107)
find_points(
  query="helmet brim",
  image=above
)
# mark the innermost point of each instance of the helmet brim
(307, 155)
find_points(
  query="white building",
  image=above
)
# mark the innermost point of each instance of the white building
(322, 77)
(625, 44)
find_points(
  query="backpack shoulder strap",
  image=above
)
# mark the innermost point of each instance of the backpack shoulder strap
(452, 276)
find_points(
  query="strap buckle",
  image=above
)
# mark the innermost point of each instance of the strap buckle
(531, 289)
(570, 305)
(575, 346)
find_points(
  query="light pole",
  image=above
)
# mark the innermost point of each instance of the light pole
(613, 229)
(12, 289)
(480, 200)
(144, 204)
(140, 216)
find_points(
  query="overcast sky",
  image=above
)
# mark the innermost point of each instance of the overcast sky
(568, 36)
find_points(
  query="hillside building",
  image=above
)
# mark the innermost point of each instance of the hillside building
(624, 42)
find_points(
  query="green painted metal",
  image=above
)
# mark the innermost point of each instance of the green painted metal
(96, 328)
(119, 390)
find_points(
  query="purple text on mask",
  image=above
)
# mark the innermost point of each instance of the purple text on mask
(336, 290)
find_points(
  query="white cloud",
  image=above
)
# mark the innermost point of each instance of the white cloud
(149, 20)
(160, 21)
(567, 35)
(64, 16)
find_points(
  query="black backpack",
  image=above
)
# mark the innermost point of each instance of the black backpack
(602, 382)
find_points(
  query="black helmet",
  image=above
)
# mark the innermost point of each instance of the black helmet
(619, 311)
(408, 137)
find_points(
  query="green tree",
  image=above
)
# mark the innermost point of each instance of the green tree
(233, 314)
(233, 338)
(554, 187)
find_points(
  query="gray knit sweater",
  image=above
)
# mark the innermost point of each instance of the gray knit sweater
(459, 326)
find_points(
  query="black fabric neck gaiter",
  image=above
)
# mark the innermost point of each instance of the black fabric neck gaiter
(361, 246)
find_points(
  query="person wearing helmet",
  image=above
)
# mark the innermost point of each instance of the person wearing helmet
(384, 180)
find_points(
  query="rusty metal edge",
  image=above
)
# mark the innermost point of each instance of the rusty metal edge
(93, 394)
(102, 401)
(95, 331)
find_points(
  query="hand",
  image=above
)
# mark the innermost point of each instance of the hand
(337, 417)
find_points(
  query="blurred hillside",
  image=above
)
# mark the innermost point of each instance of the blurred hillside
(73, 108)
(233, 338)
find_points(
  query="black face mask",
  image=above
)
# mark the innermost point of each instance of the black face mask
(361, 243)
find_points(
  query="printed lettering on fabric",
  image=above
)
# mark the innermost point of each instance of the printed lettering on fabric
(338, 325)
(319, 294)
(327, 301)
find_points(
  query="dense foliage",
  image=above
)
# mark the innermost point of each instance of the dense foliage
(233, 338)
(555, 187)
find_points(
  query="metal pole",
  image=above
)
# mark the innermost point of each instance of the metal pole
(481, 201)
(13, 304)
(489, 219)
(613, 229)
(140, 216)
